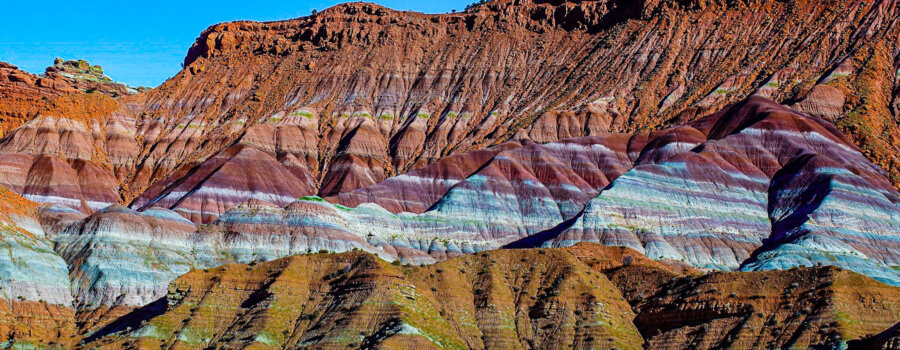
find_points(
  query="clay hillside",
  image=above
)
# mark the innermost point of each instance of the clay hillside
(660, 174)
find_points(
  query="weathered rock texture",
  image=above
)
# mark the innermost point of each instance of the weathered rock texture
(35, 299)
(387, 92)
(505, 299)
(64, 90)
(678, 308)
(754, 187)
(358, 93)
(421, 138)
(801, 308)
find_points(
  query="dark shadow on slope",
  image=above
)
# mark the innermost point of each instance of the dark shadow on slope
(194, 168)
(799, 170)
(538, 239)
(877, 341)
(132, 319)
(464, 181)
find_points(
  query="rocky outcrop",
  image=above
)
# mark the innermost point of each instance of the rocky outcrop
(227, 180)
(424, 138)
(681, 308)
(389, 92)
(501, 299)
(574, 297)
(118, 256)
(582, 296)
(359, 93)
(58, 92)
(803, 308)
(60, 161)
(86, 77)
(374, 93)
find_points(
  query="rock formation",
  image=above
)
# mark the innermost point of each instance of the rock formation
(717, 194)
(72, 89)
(35, 298)
(389, 92)
(359, 93)
(569, 298)
(755, 140)
(754, 187)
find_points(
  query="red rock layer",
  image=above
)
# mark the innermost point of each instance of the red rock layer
(226, 181)
(756, 181)
(385, 92)
(359, 93)
(418, 190)
(61, 160)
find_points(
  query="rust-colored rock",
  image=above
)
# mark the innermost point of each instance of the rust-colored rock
(435, 85)
(58, 92)
(374, 93)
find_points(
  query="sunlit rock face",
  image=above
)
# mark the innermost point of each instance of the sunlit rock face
(717, 193)
(29, 268)
(36, 301)
(359, 301)
(56, 161)
(387, 92)
(422, 138)
(500, 196)
(360, 93)
(512, 124)
(824, 213)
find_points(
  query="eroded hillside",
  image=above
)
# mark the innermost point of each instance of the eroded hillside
(542, 299)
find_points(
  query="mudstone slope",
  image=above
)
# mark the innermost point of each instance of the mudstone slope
(672, 128)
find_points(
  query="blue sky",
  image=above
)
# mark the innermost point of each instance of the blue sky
(141, 43)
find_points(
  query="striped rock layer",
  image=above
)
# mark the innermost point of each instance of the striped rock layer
(36, 300)
(510, 125)
(358, 94)
(756, 186)
(386, 92)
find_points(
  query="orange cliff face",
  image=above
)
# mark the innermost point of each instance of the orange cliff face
(387, 92)
(63, 91)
